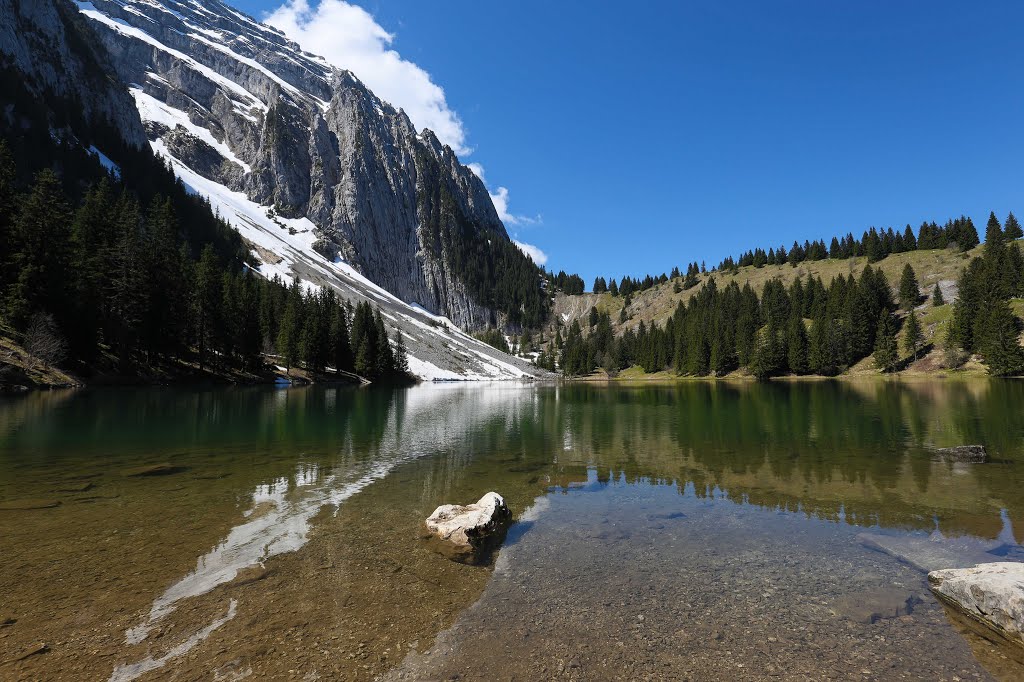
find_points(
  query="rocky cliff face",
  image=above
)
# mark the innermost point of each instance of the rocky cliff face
(46, 46)
(245, 110)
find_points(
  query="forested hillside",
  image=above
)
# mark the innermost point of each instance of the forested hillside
(809, 314)
(112, 280)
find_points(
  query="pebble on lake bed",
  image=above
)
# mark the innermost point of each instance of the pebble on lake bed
(469, 533)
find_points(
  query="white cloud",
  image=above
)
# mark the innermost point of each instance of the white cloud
(538, 256)
(478, 171)
(349, 38)
(500, 201)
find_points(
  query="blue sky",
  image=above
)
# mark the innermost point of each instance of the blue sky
(632, 138)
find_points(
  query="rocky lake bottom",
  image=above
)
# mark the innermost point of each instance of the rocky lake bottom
(704, 532)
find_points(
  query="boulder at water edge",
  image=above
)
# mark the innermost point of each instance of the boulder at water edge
(468, 534)
(991, 595)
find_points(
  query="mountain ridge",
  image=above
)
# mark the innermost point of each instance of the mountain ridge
(278, 242)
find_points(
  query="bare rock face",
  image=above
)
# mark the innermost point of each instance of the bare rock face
(469, 533)
(990, 595)
(972, 454)
(53, 48)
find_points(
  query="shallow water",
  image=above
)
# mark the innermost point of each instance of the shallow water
(693, 531)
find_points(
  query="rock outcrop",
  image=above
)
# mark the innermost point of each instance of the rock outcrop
(49, 49)
(990, 595)
(469, 533)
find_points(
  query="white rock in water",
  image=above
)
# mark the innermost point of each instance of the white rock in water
(467, 533)
(990, 594)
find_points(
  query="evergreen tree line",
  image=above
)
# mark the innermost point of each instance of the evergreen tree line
(874, 244)
(114, 274)
(494, 338)
(806, 328)
(982, 319)
(569, 284)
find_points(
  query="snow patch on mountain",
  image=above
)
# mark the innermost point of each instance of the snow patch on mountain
(438, 349)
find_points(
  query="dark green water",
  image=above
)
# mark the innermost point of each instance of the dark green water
(691, 531)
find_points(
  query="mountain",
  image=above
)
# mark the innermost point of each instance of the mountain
(323, 181)
(240, 106)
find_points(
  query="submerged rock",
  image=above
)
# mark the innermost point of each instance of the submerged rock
(469, 533)
(18, 505)
(927, 553)
(972, 454)
(153, 470)
(874, 605)
(81, 487)
(990, 595)
(34, 650)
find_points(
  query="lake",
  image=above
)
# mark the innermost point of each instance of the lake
(694, 531)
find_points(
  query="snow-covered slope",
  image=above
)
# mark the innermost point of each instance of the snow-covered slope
(325, 181)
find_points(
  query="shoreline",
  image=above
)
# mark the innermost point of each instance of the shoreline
(668, 378)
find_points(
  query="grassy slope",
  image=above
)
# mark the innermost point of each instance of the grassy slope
(658, 303)
(18, 367)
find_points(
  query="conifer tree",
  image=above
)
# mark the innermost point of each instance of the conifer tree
(1013, 229)
(797, 346)
(166, 294)
(821, 357)
(769, 353)
(1013, 271)
(40, 231)
(909, 288)
(886, 352)
(909, 241)
(999, 343)
(288, 335)
(993, 230)
(746, 337)
(385, 364)
(90, 232)
(401, 357)
(128, 294)
(937, 299)
(339, 340)
(969, 301)
(913, 337)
